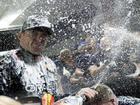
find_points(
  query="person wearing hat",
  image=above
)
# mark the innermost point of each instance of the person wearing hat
(26, 71)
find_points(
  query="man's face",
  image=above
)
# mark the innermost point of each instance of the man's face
(33, 41)
(110, 102)
(113, 101)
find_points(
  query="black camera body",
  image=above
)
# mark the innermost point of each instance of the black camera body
(84, 61)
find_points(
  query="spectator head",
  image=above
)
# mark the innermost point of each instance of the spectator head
(89, 46)
(105, 96)
(66, 55)
(34, 34)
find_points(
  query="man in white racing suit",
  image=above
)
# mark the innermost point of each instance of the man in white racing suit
(27, 71)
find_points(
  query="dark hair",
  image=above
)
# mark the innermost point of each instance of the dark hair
(104, 94)
(84, 61)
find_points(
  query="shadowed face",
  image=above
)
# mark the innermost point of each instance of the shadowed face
(33, 41)
(112, 101)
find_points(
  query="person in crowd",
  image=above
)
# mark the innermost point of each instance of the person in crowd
(76, 64)
(105, 96)
(65, 62)
(114, 59)
(27, 71)
(70, 74)
(119, 71)
(88, 59)
(71, 68)
(88, 45)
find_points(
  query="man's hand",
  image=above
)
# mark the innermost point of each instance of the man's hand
(88, 93)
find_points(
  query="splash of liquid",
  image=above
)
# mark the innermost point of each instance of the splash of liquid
(12, 13)
(118, 36)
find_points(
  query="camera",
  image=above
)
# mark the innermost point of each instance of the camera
(84, 61)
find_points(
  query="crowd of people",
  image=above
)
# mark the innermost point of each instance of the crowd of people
(29, 72)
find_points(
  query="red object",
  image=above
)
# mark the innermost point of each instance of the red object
(47, 99)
